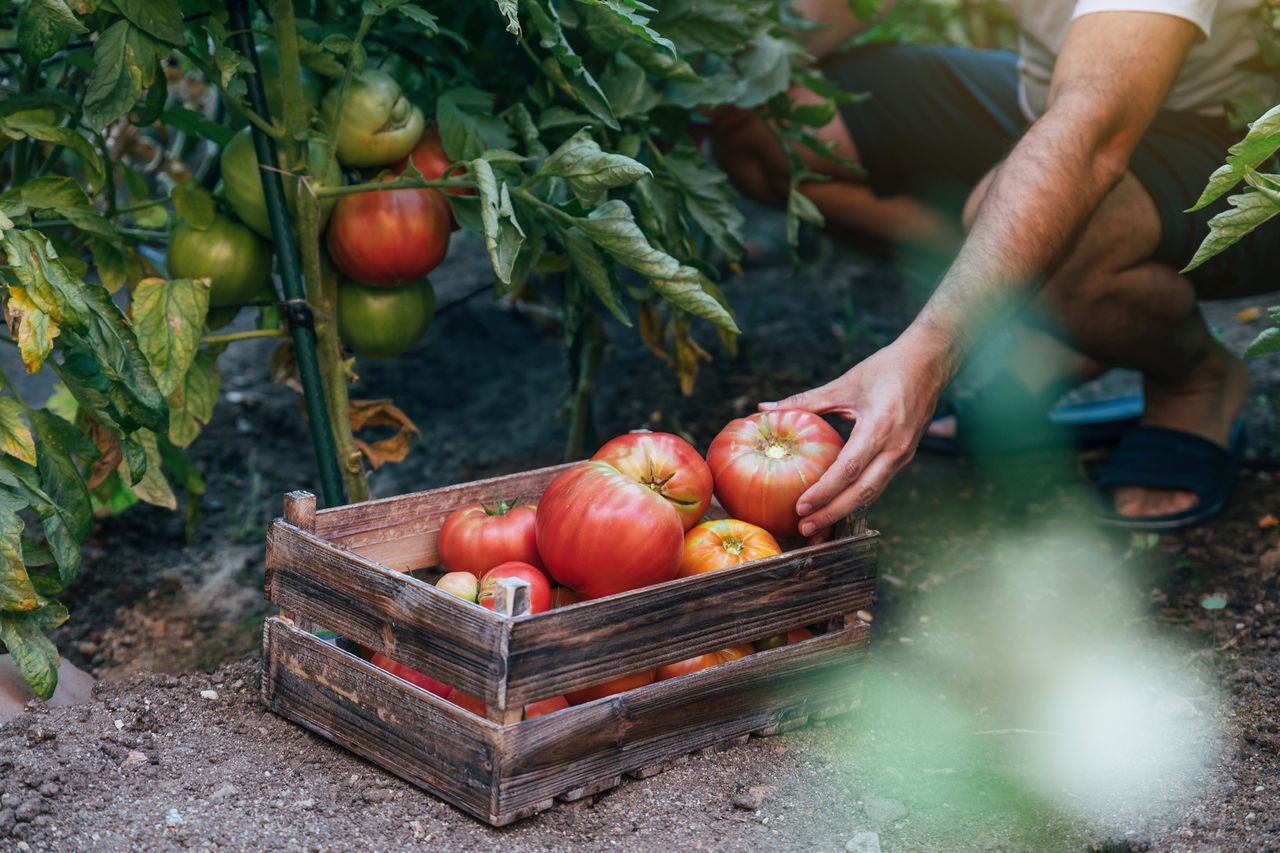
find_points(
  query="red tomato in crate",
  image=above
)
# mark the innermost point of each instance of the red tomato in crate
(389, 238)
(763, 463)
(684, 667)
(467, 702)
(539, 588)
(562, 596)
(462, 584)
(723, 544)
(417, 679)
(777, 641)
(668, 465)
(609, 688)
(478, 536)
(545, 706)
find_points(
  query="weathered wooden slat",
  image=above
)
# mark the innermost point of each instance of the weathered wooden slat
(649, 726)
(409, 621)
(409, 732)
(400, 532)
(574, 647)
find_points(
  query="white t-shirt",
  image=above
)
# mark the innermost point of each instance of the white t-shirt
(1209, 76)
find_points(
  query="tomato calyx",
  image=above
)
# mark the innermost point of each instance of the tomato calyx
(500, 507)
(773, 446)
(732, 545)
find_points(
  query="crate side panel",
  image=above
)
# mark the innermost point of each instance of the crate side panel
(401, 532)
(564, 650)
(551, 755)
(409, 621)
(396, 726)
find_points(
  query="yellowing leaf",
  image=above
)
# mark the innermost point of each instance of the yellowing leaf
(16, 591)
(382, 413)
(167, 318)
(191, 404)
(153, 488)
(15, 435)
(33, 328)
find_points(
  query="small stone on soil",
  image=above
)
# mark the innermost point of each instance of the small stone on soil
(209, 694)
(863, 842)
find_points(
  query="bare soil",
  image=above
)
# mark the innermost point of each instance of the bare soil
(153, 765)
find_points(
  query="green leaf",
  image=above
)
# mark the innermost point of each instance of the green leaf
(633, 21)
(116, 82)
(582, 85)
(429, 22)
(591, 267)
(503, 235)
(459, 132)
(44, 28)
(627, 88)
(708, 197)
(58, 447)
(168, 317)
(160, 19)
(1247, 212)
(191, 405)
(510, 10)
(612, 228)
(90, 159)
(194, 204)
(690, 296)
(194, 123)
(15, 435)
(34, 654)
(16, 591)
(1213, 602)
(52, 192)
(1262, 141)
(111, 262)
(58, 523)
(800, 208)
(590, 171)
(1267, 342)
(152, 487)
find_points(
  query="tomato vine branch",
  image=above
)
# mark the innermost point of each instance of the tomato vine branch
(251, 334)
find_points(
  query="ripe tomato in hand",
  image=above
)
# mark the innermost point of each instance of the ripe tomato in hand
(465, 585)
(545, 706)
(609, 688)
(724, 543)
(417, 679)
(539, 589)
(685, 667)
(762, 464)
(479, 536)
(389, 237)
(668, 465)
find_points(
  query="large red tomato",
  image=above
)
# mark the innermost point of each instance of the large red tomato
(389, 237)
(465, 700)
(667, 464)
(429, 158)
(609, 688)
(601, 531)
(539, 589)
(723, 544)
(762, 464)
(477, 537)
(685, 667)
(412, 676)
(545, 706)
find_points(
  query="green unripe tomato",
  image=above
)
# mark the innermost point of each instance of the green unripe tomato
(236, 260)
(242, 182)
(378, 125)
(384, 322)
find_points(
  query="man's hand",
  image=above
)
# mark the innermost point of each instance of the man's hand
(889, 398)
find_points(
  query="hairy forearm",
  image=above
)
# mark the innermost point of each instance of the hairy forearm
(1039, 201)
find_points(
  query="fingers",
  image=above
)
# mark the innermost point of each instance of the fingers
(861, 493)
(854, 457)
(818, 400)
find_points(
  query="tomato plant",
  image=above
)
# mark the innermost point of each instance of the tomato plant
(389, 238)
(701, 662)
(668, 465)
(539, 588)
(479, 536)
(763, 463)
(723, 544)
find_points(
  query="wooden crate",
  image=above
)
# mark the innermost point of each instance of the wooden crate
(344, 570)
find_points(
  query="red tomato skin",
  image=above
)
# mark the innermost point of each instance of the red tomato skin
(545, 706)
(467, 702)
(404, 673)
(609, 688)
(684, 667)
(668, 465)
(389, 238)
(429, 158)
(562, 596)
(601, 532)
(539, 588)
(475, 538)
(762, 464)
(724, 544)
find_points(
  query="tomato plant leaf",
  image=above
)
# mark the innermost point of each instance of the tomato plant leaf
(612, 227)
(503, 235)
(57, 522)
(510, 10)
(800, 208)
(191, 404)
(459, 132)
(1267, 342)
(708, 197)
(627, 87)
(36, 125)
(114, 86)
(16, 591)
(592, 268)
(157, 18)
(15, 435)
(1248, 211)
(1258, 145)
(44, 28)
(590, 171)
(628, 15)
(691, 297)
(168, 317)
(33, 328)
(111, 262)
(194, 123)
(574, 76)
(152, 486)
(194, 204)
(33, 652)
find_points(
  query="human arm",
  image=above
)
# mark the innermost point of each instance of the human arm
(1111, 77)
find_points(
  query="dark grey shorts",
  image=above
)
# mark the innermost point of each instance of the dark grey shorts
(939, 118)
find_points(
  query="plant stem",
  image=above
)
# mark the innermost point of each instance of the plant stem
(331, 138)
(587, 350)
(232, 337)
(402, 183)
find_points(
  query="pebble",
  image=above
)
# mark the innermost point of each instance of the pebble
(49, 789)
(883, 809)
(24, 846)
(135, 757)
(227, 790)
(377, 795)
(748, 801)
(208, 694)
(306, 805)
(7, 820)
(863, 842)
(173, 818)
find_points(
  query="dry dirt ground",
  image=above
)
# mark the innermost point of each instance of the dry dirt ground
(997, 599)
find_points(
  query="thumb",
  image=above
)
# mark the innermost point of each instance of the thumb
(816, 400)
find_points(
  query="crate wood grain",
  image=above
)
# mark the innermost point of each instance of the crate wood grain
(500, 773)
